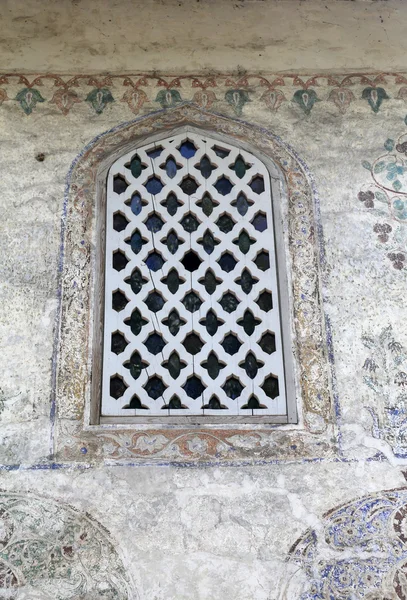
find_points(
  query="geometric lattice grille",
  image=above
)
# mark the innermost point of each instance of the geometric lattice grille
(192, 323)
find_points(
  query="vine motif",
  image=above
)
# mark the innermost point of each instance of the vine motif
(386, 198)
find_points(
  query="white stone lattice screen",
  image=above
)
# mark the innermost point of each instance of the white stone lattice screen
(191, 322)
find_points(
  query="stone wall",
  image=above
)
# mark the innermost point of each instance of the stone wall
(153, 517)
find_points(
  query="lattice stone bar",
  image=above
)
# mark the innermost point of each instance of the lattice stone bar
(192, 323)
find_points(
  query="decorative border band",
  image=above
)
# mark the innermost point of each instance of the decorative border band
(146, 91)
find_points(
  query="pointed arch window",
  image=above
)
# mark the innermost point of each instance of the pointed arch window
(195, 318)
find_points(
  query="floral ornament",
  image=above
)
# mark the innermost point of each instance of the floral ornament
(306, 99)
(28, 98)
(65, 99)
(273, 99)
(135, 99)
(204, 98)
(399, 208)
(367, 198)
(375, 97)
(382, 231)
(389, 171)
(388, 198)
(341, 97)
(197, 445)
(237, 99)
(99, 99)
(168, 98)
(3, 96)
(398, 259)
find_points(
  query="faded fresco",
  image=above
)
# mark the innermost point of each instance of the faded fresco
(287, 512)
(366, 544)
(48, 550)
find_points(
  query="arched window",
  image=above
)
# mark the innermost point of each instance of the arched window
(194, 322)
(88, 326)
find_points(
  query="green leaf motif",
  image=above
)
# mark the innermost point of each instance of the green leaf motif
(389, 145)
(379, 167)
(400, 208)
(381, 197)
(237, 99)
(28, 98)
(306, 99)
(375, 97)
(168, 98)
(366, 165)
(397, 185)
(99, 99)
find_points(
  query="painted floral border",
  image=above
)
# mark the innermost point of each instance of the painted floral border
(65, 92)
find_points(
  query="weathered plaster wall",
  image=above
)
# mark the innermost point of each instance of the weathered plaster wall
(121, 527)
(180, 35)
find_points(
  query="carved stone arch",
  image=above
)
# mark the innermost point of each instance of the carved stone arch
(73, 436)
